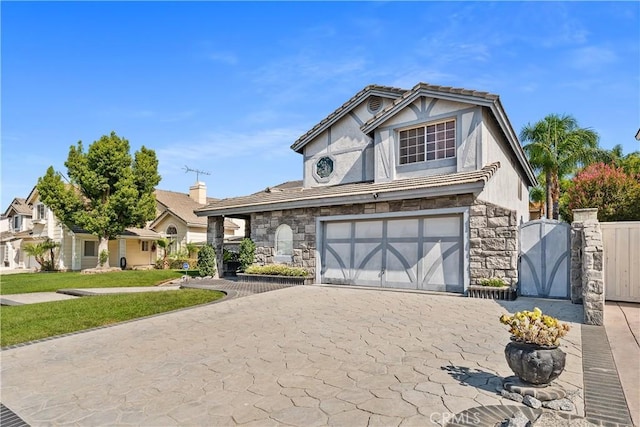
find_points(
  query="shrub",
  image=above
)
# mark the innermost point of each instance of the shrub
(229, 256)
(177, 263)
(207, 260)
(494, 282)
(277, 270)
(615, 193)
(104, 256)
(246, 253)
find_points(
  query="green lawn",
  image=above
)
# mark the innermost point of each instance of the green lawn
(51, 282)
(35, 321)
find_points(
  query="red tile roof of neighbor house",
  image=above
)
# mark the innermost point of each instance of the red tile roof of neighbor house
(278, 197)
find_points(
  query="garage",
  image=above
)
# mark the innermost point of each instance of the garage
(408, 252)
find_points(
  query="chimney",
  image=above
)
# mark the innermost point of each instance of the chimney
(198, 192)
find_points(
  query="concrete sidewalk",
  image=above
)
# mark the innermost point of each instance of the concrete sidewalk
(622, 323)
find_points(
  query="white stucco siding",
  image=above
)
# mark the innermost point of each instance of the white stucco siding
(65, 254)
(468, 119)
(471, 138)
(347, 148)
(197, 236)
(506, 188)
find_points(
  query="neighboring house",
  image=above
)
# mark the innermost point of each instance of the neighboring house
(418, 189)
(29, 221)
(177, 221)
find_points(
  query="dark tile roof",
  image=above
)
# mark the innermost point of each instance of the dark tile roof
(321, 195)
(344, 109)
(430, 88)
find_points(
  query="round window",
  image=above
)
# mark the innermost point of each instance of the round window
(324, 167)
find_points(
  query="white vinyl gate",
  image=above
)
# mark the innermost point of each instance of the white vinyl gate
(412, 253)
(545, 259)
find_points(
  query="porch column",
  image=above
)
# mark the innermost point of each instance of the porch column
(247, 227)
(215, 237)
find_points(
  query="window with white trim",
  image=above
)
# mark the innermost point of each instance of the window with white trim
(172, 236)
(284, 240)
(90, 248)
(434, 141)
(17, 223)
(41, 211)
(144, 246)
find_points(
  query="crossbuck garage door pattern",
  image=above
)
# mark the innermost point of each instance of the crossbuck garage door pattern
(413, 253)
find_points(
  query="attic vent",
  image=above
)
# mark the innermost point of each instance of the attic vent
(374, 105)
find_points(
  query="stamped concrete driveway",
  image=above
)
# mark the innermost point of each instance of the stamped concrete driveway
(306, 356)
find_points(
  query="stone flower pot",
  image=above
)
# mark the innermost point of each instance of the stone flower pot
(535, 364)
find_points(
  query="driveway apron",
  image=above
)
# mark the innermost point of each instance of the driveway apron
(304, 355)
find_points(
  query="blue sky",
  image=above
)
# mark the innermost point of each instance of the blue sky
(228, 87)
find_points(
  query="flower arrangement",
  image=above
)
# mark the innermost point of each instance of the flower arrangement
(533, 327)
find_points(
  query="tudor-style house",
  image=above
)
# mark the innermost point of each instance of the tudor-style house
(420, 189)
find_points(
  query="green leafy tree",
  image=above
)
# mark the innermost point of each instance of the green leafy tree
(556, 147)
(109, 190)
(615, 193)
(630, 163)
(207, 261)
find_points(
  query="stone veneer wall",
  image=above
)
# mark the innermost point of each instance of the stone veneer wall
(587, 265)
(494, 243)
(493, 232)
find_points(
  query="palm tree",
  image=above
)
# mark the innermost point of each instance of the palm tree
(557, 147)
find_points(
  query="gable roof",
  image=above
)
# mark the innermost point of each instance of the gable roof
(485, 99)
(19, 206)
(354, 101)
(361, 192)
(179, 205)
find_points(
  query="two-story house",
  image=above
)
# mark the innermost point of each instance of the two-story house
(30, 221)
(419, 189)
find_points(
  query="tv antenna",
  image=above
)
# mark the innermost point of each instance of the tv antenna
(187, 169)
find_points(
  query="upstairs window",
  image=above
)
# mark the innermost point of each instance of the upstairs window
(434, 141)
(41, 211)
(17, 223)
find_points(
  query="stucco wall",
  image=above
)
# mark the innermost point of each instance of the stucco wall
(181, 228)
(507, 187)
(350, 150)
(421, 112)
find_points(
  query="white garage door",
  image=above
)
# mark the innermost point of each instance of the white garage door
(413, 253)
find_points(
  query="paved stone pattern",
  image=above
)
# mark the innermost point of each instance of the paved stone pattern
(603, 394)
(234, 288)
(305, 355)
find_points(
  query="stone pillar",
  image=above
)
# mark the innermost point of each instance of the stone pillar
(576, 262)
(493, 243)
(591, 263)
(215, 237)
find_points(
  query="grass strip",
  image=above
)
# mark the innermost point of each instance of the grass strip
(36, 321)
(51, 282)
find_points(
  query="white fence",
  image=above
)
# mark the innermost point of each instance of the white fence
(621, 242)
